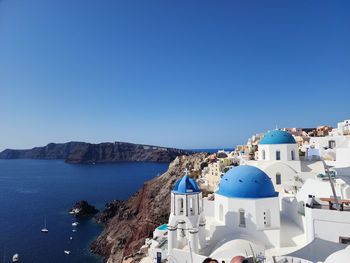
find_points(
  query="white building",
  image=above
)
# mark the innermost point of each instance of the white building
(343, 129)
(335, 148)
(342, 162)
(328, 224)
(248, 216)
(278, 156)
(186, 221)
(328, 145)
(244, 216)
(247, 204)
(254, 211)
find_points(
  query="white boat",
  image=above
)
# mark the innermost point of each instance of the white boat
(75, 224)
(67, 252)
(15, 258)
(74, 230)
(71, 238)
(44, 230)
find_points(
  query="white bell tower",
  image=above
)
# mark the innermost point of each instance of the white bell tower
(186, 222)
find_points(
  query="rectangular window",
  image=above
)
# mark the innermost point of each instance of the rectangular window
(278, 178)
(241, 218)
(278, 155)
(331, 144)
(293, 156)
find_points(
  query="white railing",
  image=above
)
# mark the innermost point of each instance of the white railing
(286, 259)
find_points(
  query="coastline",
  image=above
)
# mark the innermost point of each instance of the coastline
(135, 219)
(39, 188)
(89, 153)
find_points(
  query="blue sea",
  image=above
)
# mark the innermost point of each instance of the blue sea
(31, 190)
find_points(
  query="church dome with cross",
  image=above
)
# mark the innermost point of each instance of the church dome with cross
(186, 185)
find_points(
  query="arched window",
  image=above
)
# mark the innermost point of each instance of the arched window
(180, 205)
(293, 155)
(221, 213)
(278, 155)
(241, 218)
(191, 206)
(263, 154)
(278, 178)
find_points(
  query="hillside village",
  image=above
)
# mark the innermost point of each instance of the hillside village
(282, 197)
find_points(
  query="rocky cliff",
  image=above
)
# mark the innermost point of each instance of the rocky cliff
(129, 222)
(83, 209)
(81, 152)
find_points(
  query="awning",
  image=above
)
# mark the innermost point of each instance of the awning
(317, 250)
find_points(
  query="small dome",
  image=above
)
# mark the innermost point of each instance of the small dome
(246, 181)
(277, 137)
(186, 185)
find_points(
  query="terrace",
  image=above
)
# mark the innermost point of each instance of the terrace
(329, 203)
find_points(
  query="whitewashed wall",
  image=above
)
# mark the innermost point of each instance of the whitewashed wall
(327, 224)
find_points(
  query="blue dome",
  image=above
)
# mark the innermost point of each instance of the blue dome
(278, 137)
(246, 181)
(186, 185)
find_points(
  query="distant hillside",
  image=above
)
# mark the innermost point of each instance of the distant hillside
(82, 152)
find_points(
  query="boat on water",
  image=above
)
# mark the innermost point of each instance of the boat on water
(67, 252)
(15, 258)
(44, 229)
(74, 230)
(75, 224)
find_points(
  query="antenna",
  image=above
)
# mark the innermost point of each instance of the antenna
(332, 185)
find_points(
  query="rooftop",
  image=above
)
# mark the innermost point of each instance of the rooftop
(186, 185)
(246, 181)
(278, 137)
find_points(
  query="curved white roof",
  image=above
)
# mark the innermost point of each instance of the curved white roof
(339, 256)
(236, 247)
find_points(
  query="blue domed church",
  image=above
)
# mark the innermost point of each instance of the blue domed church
(247, 204)
(278, 157)
(186, 221)
(278, 145)
(243, 215)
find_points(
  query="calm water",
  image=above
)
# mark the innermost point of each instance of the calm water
(33, 189)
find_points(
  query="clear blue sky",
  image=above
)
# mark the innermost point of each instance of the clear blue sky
(189, 74)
